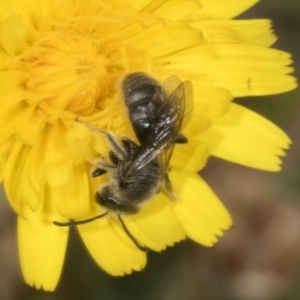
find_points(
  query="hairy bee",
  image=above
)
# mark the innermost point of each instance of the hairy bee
(137, 172)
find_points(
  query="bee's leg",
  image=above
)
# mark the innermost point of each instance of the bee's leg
(181, 139)
(130, 146)
(169, 188)
(137, 244)
(116, 147)
(113, 158)
(111, 138)
(111, 203)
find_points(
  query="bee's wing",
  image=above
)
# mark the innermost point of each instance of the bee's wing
(162, 132)
(189, 102)
(185, 91)
(171, 84)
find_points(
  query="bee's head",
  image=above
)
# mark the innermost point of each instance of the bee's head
(106, 198)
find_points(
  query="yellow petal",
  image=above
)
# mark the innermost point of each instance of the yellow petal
(42, 247)
(211, 101)
(114, 7)
(7, 145)
(156, 226)
(11, 88)
(196, 125)
(36, 171)
(111, 248)
(56, 137)
(79, 139)
(198, 209)
(13, 32)
(139, 4)
(59, 175)
(173, 9)
(101, 146)
(9, 115)
(17, 186)
(219, 9)
(58, 164)
(245, 137)
(190, 157)
(242, 69)
(5, 60)
(250, 32)
(160, 38)
(73, 199)
(29, 134)
(2, 164)
(205, 9)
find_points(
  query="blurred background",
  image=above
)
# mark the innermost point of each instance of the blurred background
(258, 259)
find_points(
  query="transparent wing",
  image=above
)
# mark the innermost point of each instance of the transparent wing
(185, 91)
(162, 132)
(189, 102)
(171, 84)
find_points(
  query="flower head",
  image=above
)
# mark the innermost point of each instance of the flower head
(64, 60)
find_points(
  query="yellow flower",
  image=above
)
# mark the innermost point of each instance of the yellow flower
(61, 60)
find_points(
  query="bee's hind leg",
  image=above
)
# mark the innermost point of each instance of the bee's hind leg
(169, 188)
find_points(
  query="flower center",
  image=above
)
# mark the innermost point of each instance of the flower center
(74, 70)
(69, 74)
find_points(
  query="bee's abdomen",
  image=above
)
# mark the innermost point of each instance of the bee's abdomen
(142, 95)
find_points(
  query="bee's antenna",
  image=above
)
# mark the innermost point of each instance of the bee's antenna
(138, 245)
(90, 126)
(72, 222)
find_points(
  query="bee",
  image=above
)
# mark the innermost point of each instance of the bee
(138, 171)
